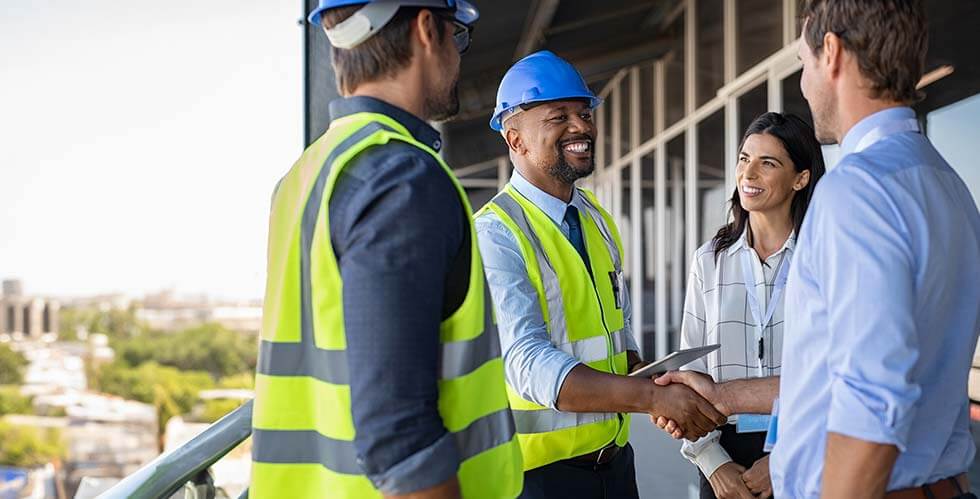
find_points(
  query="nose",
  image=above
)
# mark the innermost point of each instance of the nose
(578, 124)
(751, 170)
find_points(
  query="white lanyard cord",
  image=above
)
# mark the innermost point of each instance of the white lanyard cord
(778, 285)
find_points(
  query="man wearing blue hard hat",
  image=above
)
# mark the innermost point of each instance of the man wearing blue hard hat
(553, 259)
(379, 370)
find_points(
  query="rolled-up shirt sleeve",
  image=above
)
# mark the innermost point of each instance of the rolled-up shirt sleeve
(534, 367)
(397, 228)
(867, 266)
(706, 453)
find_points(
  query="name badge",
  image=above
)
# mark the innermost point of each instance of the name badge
(773, 427)
(752, 423)
(616, 279)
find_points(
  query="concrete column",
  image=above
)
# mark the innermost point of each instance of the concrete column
(34, 318)
(17, 311)
(52, 317)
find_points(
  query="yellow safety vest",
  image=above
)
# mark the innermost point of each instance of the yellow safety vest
(303, 430)
(583, 314)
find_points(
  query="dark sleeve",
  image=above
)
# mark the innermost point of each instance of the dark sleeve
(397, 230)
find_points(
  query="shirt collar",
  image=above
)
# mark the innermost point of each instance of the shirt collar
(419, 129)
(553, 207)
(869, 123)
(743, 242)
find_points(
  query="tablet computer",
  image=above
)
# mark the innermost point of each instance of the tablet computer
(674, 361)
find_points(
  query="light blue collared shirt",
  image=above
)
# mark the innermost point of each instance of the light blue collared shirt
(534, 367)
(882, 312)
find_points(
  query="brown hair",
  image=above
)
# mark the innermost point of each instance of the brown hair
(381, 55)
(889, 38)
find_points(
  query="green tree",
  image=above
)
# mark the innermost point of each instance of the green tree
(26, 447)
(12, 366)
(169, 390)
(244, 380)
(12, 402)
(217, 409)
(209, 347)
(114, 323)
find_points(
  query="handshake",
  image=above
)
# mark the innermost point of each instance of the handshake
(689, 404)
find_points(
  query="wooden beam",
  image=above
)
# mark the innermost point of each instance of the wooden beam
(539, 18)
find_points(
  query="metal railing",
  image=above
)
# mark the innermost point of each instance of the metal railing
(168, 473)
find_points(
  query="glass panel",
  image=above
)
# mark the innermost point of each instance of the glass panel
(759, 31)
(646, 102)
(674, 244)
(711, 176)
(649, 237)
(793, 101)
(674, 71)
(953, 130)
(624, 221)
(800, 4)
(605, 128)
(751, 104)
(710, 49)
(625, 106)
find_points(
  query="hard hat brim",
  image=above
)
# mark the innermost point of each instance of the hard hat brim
(466, 12)
(496, 122)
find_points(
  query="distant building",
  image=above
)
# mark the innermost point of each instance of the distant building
(165, 311)
(105, 436)
(26, 316)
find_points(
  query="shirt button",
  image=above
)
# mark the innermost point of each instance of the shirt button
(437, 144)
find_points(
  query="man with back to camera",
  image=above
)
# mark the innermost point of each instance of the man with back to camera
(883, 300)
(379, 369)
(553, 258)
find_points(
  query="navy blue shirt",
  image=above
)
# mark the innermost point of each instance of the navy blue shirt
(402, 242)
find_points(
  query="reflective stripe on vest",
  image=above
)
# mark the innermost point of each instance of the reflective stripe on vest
(302, 424)
(548, 435)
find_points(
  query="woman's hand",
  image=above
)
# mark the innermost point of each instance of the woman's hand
(727, 482)
(757, 478)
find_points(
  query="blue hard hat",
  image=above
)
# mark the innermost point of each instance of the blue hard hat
(539, 77)
(464, 11)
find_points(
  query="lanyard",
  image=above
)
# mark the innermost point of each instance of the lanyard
(754, 306)
(879, 132)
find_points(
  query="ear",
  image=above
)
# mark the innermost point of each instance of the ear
(514, 141)
(426, 30)
(832, 53)
(802, 180)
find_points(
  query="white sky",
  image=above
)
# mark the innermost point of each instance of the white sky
(140, 141)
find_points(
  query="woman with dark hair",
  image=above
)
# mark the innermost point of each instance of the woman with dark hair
(734, 293)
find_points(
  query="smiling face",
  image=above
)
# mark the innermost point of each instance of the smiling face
(556, 138)
(767, 179)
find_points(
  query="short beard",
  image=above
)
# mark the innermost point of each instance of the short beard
(444, 105)
(566, 173)
(823, 123)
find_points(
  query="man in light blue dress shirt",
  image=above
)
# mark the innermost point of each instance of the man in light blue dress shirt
(883, 298)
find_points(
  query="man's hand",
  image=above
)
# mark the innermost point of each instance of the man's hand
(757, 478)
(695, 417)
(700, 383)
(727, 482)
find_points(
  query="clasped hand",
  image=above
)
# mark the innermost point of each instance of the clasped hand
(685, 412)
(696, 385)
